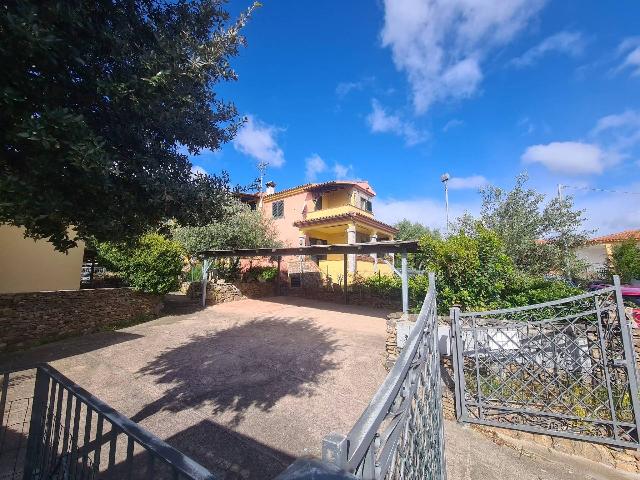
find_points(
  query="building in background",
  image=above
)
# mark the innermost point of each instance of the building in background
(597, 251)
(336, 212)
(33, 266)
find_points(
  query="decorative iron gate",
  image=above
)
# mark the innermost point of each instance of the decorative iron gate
(56, 430)
(563, 368)
(400, 434)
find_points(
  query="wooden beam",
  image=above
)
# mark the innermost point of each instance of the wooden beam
(409, 246)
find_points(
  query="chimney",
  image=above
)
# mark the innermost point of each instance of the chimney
(271, 188)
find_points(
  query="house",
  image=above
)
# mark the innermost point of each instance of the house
(597, 251)
(28, 265)
(327, 213)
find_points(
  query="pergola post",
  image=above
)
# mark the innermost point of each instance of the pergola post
(405, 284)
(278, 277)
(346, 277)
(205, 274)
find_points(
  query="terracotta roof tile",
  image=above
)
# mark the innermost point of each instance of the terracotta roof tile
(617, 237)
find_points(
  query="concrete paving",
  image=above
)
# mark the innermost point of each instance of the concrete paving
(472, 456)
(243, 387)
(246, 387)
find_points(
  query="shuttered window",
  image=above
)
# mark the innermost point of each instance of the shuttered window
(277, 209)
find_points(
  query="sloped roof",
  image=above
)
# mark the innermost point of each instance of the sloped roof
(362, 185)
(350, 216)
(617, 237)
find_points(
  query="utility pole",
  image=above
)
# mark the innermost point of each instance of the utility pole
(262, 168)
(444, 179)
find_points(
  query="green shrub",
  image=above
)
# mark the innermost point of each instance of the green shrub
(267, 274)
(625, 261)
(152, 265)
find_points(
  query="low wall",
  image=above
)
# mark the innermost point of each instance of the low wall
(228, 292)
(334, 293)
(624, 459)
(28, 319)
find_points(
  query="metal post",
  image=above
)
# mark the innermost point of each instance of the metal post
(625, 331)
(335, 450)
(35, 440)
(405, 284)
(346, 276)
(205, 273)
(278, 277)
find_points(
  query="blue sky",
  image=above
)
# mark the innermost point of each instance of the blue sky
(398, 92)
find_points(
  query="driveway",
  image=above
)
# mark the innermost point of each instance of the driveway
(242, 387)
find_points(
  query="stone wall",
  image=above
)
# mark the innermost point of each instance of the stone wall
(627, 460)
(334, 293)
(228, 292)
(28, 319)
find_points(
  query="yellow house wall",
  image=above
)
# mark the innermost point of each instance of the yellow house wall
(335, 268)
(32, 266)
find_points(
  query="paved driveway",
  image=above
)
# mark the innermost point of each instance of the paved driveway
(242, 387)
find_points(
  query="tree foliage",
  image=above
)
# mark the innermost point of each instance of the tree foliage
(152, 265)
(99, 102)
(474, 270)
(625, 261)
(538, 236)
(408, 230)
(240, 227)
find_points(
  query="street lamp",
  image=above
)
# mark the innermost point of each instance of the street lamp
(444, 178)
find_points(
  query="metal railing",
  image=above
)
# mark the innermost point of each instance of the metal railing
(400, 434)
(564, 368)
(72, 434)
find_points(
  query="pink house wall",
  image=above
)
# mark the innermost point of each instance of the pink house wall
(295, 208)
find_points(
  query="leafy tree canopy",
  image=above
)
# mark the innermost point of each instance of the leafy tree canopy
(538, 235)
(408, 230)
(240, 227)
(100, 100)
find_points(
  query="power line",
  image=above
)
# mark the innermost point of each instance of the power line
(592, 189)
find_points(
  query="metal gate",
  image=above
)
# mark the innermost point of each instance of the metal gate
(53, 429)
(400, 434)
(563, 368)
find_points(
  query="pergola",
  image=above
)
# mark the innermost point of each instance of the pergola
(393, 246)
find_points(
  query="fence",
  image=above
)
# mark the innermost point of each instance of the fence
(54, 429)
(563, 368)
(400, 434)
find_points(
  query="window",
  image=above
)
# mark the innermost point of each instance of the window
(365, 204)
(317, 202)
(277, 209)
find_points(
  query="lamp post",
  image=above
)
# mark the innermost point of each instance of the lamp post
(444, 179)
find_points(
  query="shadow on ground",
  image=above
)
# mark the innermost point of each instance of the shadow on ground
(250, 365)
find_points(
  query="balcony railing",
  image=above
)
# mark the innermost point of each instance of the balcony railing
(330, 212)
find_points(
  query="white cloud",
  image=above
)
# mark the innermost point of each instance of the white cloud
(258, 140)
(630, 50)
(464, 183)
(621, 130)
(342, 172)
(573, 158)
(428, 211)
(380, 121)
(440, 44)
(568, 43)
(314, 165)
(452, 124)
(197, 169)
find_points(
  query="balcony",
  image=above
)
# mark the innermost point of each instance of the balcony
(330, 212)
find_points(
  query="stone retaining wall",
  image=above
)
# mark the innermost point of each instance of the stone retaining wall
(28, 319)
(228, 292)
(334, 293)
